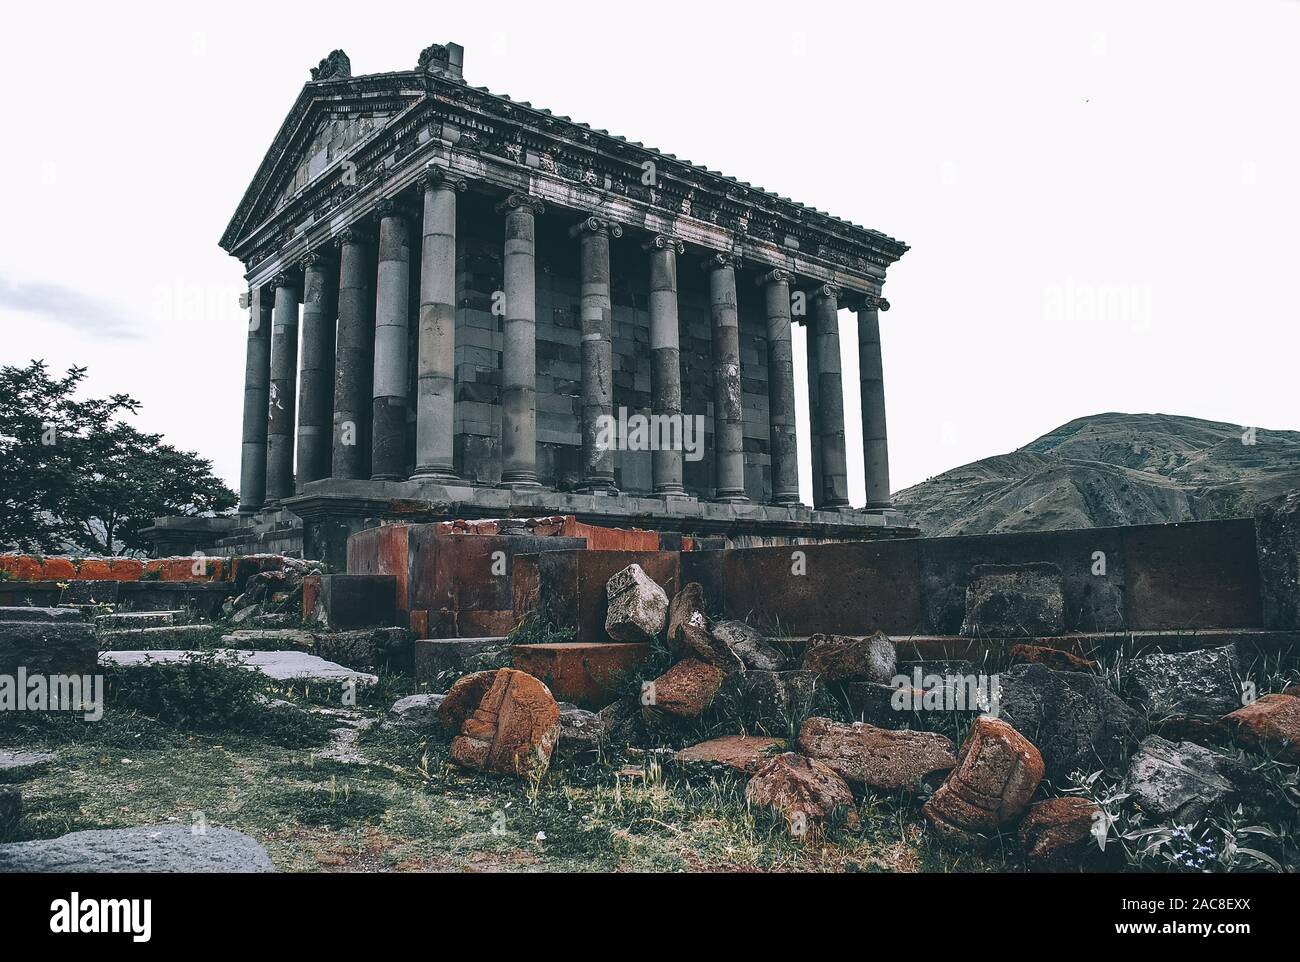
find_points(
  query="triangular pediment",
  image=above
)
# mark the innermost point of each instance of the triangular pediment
(328, 121)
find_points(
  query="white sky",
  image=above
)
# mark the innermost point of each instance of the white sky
(1102, 198)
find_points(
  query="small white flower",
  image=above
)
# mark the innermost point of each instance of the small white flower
(541, 836)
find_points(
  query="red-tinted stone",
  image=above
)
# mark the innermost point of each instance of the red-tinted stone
(687, 689)
(1054, 658)
(512, 730)
(1270, 725)
(741, 752)
(802, 789)
(587, 675)
(1058, 835)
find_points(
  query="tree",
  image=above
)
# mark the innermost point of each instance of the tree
(73, 475)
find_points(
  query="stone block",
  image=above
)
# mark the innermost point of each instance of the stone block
(1015, 601)
(589, 675)
(48, 647)
(440, 658)
(358, 601)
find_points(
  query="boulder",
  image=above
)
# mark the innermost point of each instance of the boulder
(1059, 835)
(997, 773)
(391, 649)
(1015, 601)
(1073, 718)
(754, 651)
(415, 711)
(581, 733)
(769, 700)
(1054, 658)
(622, 724)
(740, 752)
(687, 689)
(1270, 725)
(1181, 781)
(802, 789)
(18, 760)
(883, 705)
(875, 757)
(838, 658)
(512, 730)
(1204, 684)
(638, 607)
(162, 849)
(689, 632)
(463, 698)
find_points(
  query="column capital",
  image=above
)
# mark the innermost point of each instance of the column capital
(662, 242)
(828, 291)
(521, 202)
(778, 275)
(865, 302)
(435, 177)
(352, 234)
(596, 225)
(721, 260)
(314, 259)
(391, 207)
(286, 278)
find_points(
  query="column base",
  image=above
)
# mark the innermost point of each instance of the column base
(601, 488)
(788, 503)
(388, 477)
(877, 508)
(436, 475)
(730, 498)
(520, 481)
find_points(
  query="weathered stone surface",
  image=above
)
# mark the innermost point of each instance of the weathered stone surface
(754, 651)
(744, 753)
(513, 729)
(1182, 782)
(1073, 718)
(1057, 836)
(266, 639)
(435, 657)
(623, 724)
(804, 790)
(391, 649)
(1015, 601)
(838, 658)
(638, 608)
(875, 757)
(876, 704)
(286, 666)
(22, 613)
(138, 619)
(689, 632)
(11, 761)
(1204, 684)
(581, 733)
(1271, 724)
(463, 698)
(1053, 658)
(164, 637)
(1277, 546)
(589, 675)
(415, 711)
(48, 647)
(997, 773)
(162, 849)
(687, 689)
(767, 701)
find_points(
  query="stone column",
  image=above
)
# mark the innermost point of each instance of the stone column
(728, 431)
(780, 389)
(257, 393)
(519, 358)
(316, 407)
(353, 360)
(814, 405)
(875, 442)
(597, 352)
(666, 361)
(825, 343)
(435, 415)
(392, 345)
(284, 391)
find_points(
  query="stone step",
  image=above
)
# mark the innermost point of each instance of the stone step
(457, 656)
(52, 647)
(270, 639)
(587, 674)
(163, 848)
(23, 613)
(138, 619)
(283, 666)
(167, 636)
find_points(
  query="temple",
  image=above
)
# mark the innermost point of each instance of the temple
(457, 299)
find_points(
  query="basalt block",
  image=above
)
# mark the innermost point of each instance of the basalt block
(60, 647)
(589, 675)
(358, 601)
(637, 608)
(1015, 601)
(840, 658)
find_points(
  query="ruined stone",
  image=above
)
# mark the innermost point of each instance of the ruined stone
(415, 711)
(158, 849)
(743, 753)
(295, 667)
(14, 761)
(47, 647)
(512, 730)
(875, 757)
(1057, 836)
(997, 773)
(463, 698)
(638, 608)
(1015, 601)
(1181, 782)
(687, 689)
(622, 723)
(1271, 725)
(690, 632)
(589, 675)
(837, 658)
(768, 701)
(1054, 658)
(581, 733)
(1073, 718)
(753, 650)
(1204, 684)
(804, 790)
(879, 704)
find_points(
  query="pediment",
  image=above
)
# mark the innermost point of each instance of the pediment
(328, 122)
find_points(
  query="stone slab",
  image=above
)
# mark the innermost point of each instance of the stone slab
(287, 666)
(21, 613)
(163, 849)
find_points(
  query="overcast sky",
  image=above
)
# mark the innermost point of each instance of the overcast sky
(1102, 199)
